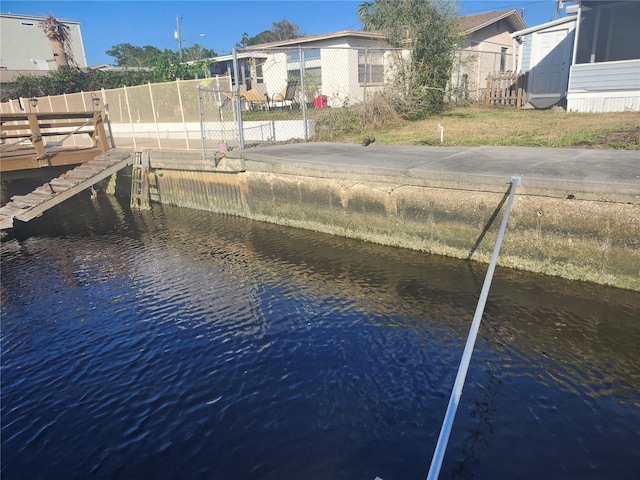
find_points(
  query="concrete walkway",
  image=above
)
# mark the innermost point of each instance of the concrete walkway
(586, 170)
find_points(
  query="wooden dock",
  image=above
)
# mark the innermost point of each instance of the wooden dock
(26, 207)
(34, 140)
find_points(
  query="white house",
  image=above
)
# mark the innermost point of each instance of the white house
(349, 65)
(331, 64)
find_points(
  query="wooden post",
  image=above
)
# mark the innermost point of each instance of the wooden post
(36, 137)
(519, 84)
(487, 97)
(99, 133)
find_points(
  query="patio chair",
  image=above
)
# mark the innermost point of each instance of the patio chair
(253, 97)
(288, 94)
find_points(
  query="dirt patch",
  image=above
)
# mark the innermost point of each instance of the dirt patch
(619, 139)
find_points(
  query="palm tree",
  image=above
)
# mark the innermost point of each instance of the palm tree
(58, 35)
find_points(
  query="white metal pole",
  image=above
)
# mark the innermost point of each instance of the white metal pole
(454, 400)
(200, 113)
(238, 109)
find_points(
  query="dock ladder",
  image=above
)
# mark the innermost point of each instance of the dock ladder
(140, 180)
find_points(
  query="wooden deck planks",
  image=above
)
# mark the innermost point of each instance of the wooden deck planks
(54, 192)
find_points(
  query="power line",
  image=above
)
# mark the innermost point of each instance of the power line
(510, 6)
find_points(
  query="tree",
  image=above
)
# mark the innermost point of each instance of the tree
(285, 30)
(429, 28)
(58, 35)
(128, 55)
(71, 80)
(197, 52)
(167, 66)
(162, 62)
(282, 30)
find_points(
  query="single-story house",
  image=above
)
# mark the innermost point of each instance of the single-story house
(349, 65)
(589, 60)
(333, 65)
(488, 48)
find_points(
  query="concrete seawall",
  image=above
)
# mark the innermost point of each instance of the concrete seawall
(559, 225)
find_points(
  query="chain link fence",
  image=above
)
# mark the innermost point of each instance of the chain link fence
(470, 70)
(271, 95)
(291, 94)
(217, 107)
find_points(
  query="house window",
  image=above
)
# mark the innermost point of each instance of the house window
(464, 84)
(259, 74)
(311, 54)
(310, 65)
(503, 59)
(312, 76)
(370, 66)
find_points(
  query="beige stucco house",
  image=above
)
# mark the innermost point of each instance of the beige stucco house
(488, 48)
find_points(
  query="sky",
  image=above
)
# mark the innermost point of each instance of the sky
(105, 23)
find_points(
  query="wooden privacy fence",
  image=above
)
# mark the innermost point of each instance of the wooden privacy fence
(506, 88)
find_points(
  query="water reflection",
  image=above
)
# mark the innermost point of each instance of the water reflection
(181, 344)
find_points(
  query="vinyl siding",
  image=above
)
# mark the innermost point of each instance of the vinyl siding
(527, 40)
(605, 76)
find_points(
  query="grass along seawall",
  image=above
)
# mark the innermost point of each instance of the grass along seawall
(584, 231)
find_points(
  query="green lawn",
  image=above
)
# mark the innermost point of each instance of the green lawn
(478, 126)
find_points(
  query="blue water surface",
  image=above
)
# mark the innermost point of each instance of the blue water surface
(175, 344)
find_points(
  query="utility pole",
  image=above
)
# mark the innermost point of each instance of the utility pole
(178, 35)
(559, 5)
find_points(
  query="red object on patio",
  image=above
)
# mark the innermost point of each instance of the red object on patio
(320, 101)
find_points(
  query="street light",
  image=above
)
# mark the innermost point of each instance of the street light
(177, 35)
(33, 101)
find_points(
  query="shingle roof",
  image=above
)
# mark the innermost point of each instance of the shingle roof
(472, 23)
(325, 36)
(468, 24)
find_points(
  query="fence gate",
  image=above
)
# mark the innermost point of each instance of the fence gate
(218, 120)
(506, 88)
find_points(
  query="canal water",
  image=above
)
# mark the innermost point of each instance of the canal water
(176, 344)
